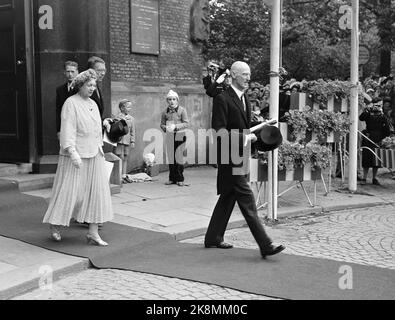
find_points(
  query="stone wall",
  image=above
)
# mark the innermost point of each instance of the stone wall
(148, 104)
(146, 79)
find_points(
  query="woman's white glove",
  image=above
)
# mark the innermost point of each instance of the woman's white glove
(107, 125)
(76, 159)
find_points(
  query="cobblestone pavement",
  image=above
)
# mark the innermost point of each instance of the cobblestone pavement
(126, 285)
(362, 236)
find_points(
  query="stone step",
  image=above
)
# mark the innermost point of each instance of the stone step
(46, 193)
(39, 184)
(29, 182)
(46, 164)
(10, 169)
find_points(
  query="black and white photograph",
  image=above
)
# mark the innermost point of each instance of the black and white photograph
(197, 158)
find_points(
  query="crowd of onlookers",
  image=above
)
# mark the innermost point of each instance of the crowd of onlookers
(378, 91)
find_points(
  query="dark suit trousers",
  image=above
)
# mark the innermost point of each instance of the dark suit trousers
(243, 195)
(176, 168)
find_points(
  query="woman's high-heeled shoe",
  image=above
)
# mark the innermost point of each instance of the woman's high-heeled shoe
(95, 240)
(55, 234)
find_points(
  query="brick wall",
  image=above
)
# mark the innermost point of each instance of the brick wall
(179, 59)
(146, 79)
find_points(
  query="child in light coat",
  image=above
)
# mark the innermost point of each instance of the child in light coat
(127, 142)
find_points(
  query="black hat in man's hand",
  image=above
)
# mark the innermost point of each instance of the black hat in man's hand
(119, 128)
(269, 138)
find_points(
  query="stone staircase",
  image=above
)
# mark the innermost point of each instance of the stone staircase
(39, 185)
(8, 169)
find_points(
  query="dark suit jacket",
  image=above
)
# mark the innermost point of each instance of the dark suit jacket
(228, 113)
(212, 88)
(207, 81)
(284, 105)
(62, 94)
(99, 101)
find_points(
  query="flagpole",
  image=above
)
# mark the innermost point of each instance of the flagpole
(275, 43)
(353, 142)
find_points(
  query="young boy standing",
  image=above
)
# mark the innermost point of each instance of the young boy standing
(127, 142)
(174, 121)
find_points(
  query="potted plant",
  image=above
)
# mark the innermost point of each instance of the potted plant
(320, 123)
(388, 143)
(294, 159)
(298, 124)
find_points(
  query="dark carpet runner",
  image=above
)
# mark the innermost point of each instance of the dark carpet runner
(282, 276)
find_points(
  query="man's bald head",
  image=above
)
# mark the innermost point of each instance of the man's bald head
(239, 66)
(241, 75)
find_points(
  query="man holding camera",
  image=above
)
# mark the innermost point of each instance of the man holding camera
(217, 80)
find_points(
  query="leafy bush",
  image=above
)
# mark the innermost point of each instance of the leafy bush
(296, 155)
(320, 122)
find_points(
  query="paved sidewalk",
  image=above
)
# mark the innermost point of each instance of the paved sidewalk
(181, 211)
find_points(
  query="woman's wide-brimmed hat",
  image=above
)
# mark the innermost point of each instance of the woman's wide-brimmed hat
(269, 138)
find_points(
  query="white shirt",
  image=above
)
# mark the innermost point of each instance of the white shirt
(240, 94)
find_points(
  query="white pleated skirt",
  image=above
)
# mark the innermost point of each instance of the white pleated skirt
(82, 194)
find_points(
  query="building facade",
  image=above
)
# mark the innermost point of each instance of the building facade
(147, 48)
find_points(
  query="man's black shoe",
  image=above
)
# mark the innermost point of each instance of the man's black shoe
(272, 250)
(376, 182)
(222, 245)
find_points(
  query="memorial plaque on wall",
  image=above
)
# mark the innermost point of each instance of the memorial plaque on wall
(145, 26)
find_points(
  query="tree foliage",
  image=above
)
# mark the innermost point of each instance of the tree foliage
(240, 30)
(313, 44)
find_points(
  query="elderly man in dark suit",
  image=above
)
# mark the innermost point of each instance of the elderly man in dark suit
(65, 91)
(232, 115)
(99, 65)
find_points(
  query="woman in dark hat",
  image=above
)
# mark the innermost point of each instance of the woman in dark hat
(81, 188)
(377, 128)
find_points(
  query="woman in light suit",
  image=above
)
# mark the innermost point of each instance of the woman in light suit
(81, 188)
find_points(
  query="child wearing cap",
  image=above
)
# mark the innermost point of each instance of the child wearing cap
(127, 142)
(174, 120)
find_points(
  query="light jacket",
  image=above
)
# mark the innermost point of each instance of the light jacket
(177, 116)
(129, 138)
(81, 127)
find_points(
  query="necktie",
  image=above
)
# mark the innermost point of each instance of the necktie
(244, 102)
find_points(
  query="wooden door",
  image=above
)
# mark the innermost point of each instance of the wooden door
(14, 139)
